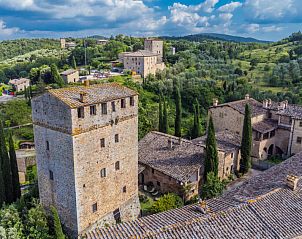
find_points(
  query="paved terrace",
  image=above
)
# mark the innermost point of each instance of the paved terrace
(263, 207)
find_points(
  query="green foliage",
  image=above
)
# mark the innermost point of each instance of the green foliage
(165, 118)
(57, 224)
(167, 202)
(213, 187)
(178, 112)
(160, 115)
(56, 78)
(246, 143)
(14, 169)
(17, 112)
(11, 226)
(211, 161)
(74, 63)
(196, 131)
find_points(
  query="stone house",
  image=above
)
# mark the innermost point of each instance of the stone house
(174, 164)
(70, 76)
(19, 84)
(276, 126)
(86, 145)
(147, 61)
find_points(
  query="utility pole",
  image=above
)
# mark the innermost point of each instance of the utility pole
(85, 53)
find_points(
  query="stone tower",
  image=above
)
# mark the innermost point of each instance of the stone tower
(155, 46)
(87, 154)
(63, 43)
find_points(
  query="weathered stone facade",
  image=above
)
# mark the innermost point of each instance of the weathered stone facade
(87, 154)
(70, 76)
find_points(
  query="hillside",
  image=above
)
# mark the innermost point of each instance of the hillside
(217, 37)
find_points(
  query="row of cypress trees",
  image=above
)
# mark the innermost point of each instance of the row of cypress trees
(9, 179)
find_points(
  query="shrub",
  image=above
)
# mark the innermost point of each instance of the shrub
(167, 202)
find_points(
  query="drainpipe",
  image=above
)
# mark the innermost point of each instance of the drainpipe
(289, 151)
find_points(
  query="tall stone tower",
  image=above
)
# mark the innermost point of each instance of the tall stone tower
(63, 43)
(155, 46)
(87, 154)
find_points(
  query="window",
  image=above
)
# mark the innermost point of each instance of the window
(113, 106)
(152, 170)
(123, 103)
(299, 140)
(116, 138)
(117, 216)
(92, 110)
(158, 183)
(94, 207)
(270, 115)
(232, 155)
(103, 173)
(124, 189)
(221, 114)
(50, 175)
(104, 108)
(47, 145)
(117, 165)
(102, 143)
(300, 124)
(272, 134)
(132, 101)
(81, 112)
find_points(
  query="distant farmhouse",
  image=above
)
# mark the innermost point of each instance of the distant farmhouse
(86, 152)
(68, 45)
(70, 76)
(147, 61)
(101, 42)
(19, 84)
(277, 126)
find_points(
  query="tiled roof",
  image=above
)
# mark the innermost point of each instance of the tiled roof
(294, 111)
(18, 81)
(256, 106)
(140, 53)
(265, 126)
(95, 94)
(68, 72)
(226, 141)
(274, 212)
(179, 162)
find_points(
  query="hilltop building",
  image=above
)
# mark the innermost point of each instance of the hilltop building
(19, 84)
(68, 45)
(171, 163)
(70, 76)
(87, 154)
(265, 206)
(277, 126)
(147, 61)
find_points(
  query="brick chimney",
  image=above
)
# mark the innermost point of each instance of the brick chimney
(247, 97)
(269, 102)
(265, 103)
(83, 97)
(285, 104)
(170, 143)
(215, 102)
(292, 181)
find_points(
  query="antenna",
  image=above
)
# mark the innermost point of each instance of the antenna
(85, 52)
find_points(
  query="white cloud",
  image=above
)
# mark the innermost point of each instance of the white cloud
(230, 7)
(208, 6)
(5, 31)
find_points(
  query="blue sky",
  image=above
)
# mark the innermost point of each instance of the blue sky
(262, 19)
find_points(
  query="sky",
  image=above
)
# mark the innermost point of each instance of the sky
(261, 19)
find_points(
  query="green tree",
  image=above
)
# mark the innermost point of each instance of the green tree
(165, 118)
(211, 161)
(2, 187)
(74, 63)
(40, 84)
(178, 112)
(167, 202)
(6, 167)
(197, 126)
(246, 142)
(11, 226)
(57, 224)
(56, 78)
(213, 187)
(160, 115)
(14, 169)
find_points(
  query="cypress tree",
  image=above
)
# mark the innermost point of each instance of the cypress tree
(2, 186)
(165, 118)
(196, 127)
(211, 162)
(56, 78)
(74, 63)
(57, 224)
(160, 115)
(25, 93)
(246, 142)
(14, 169)
(178, 112)
(6, 168)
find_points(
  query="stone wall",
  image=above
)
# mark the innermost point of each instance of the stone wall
(229, 163)
(296, 146)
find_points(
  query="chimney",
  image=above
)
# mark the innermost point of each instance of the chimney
(83, 97)
(247, 97)
(281, 105)
(170, 143)
(265, 103)
(180, 141)
(269, 102)
(285, 104)
(215, 102)
(202, 207)
(86, 83)
(292, 181)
